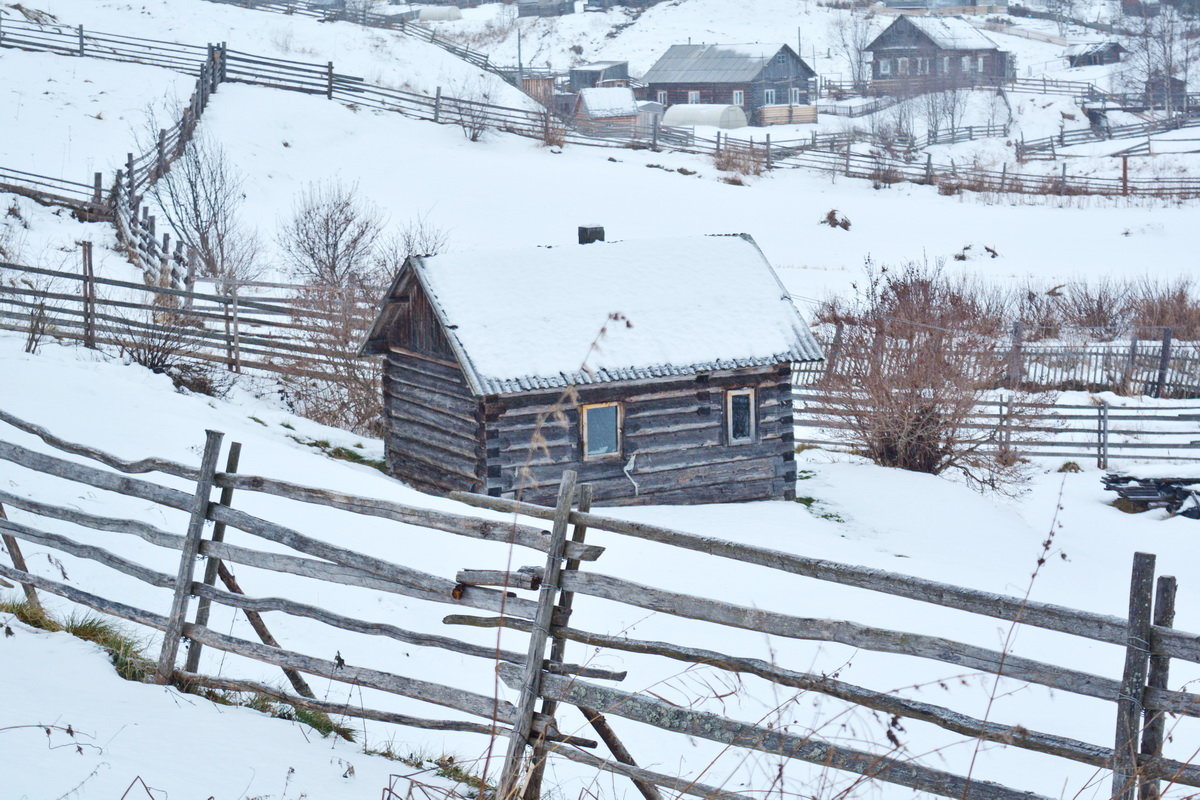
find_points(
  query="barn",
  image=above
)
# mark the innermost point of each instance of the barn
(750, 76)
(613, 105)
(931, 53)
(660, 370)
(1091, 54)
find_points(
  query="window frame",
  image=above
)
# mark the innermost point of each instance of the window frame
(583, 430)
(693, 97)
(794, 96)
(752, 393)
(885, 67)
(739, 97)
(768, 97)
(663, 97)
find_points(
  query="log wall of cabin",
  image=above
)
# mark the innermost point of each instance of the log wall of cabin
(675, 431)
(434, 437)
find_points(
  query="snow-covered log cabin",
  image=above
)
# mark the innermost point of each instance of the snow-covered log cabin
(660, 370)
(922, 54)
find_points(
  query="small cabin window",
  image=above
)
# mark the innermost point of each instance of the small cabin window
(769, 97)
(739, 416)
(980, 67)
(693, 97)
(945, 65)
(885, 66)
(902, 66)
(662, 98)
(795, 95)
(966, 63)
(601, 430)
(739, 97)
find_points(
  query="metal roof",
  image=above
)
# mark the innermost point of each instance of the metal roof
(947, 33)
(714, 63)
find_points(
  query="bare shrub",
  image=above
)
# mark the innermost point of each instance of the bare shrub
(418, 237)
(333, 385)
(200, 196)
(1161, 304)
(467, 106)
(331, 236)
(554, 130)
(739, 157)
(1103, 306)
(164, 341)
(907, 394)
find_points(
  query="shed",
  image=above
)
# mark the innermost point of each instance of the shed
(439, 14)
(748, 76)
(718, 116)
(1091, 54)
(598, 73)
(934, 53)
(545, 8)
(660, 370)
(610, 104)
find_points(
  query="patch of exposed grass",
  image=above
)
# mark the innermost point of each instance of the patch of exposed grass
(127, 654)
(1129, 506)
(814, 507)
(342, 453)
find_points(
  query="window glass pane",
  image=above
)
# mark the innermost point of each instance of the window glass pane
(740, 417)
(601, 430)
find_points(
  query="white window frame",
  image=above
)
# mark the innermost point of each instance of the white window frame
(885, 66)
(768, 97)
(945, 65)
(583, 430)
(662, 97)
(922, 66)
(980, 64)
(966, 64)
(729, 395)
(902, 66)
(739, 97)
(693, 98)
(794, 93)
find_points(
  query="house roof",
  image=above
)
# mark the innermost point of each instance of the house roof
(606, 102)
(713, 63)
(549, 317)
(947, 33)
(1090, 48)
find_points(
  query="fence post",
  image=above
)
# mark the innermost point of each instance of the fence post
(1164, 362)
(532, 679)
(187, 558)
(160, 165)
(98, 188)
(1126, 780)
(1016, 360)
(1125, 175)
(437, 105)
(768, 151)
(654, 132)
(203, 605)
(928, 168)
(237, 340)
(1102, 435)
(89, 296)
(329, 80)
(1155, 721)
(18, 561)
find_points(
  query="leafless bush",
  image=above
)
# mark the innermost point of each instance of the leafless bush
(467, 106)
(1174, 305)
(333, 385)
(743, 159)
(164, 341)
(554, 130)
(1103, 306)
(418, 237)
(331, 236)
(201, 197)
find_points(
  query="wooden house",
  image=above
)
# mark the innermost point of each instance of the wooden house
(545, 8)
(749, 76)
(660, 370)
(920, 54)
(1091, 54)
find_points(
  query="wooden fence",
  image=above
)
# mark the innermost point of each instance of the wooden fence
(1101, 431)
(1140, 695)
(1027, 148)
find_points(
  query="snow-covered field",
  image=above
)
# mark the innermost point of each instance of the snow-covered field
(70, 117)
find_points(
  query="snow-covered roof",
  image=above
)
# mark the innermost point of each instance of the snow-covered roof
(952, 33)
(548, 317)
(1089, 48)
(605, 102)
(712, 63)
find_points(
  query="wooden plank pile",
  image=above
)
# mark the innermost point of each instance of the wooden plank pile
(1177, 495)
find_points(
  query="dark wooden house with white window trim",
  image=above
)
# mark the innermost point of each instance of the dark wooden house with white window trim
(750, 76)
(660, 370)
(918, 54)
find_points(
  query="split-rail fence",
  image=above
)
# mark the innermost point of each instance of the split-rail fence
(541, 679)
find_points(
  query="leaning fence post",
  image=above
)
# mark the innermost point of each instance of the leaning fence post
(88, 285)
(1130, 701)
(81, 40)
(437, 105)
(203, 605)
(187, 558)
(1155, 721)
(329, 80)
(1164, 362)
(18, 561)
(558, 646)
(532, 679)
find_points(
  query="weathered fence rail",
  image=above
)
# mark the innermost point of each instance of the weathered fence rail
(1051, 144)
(1139, 695)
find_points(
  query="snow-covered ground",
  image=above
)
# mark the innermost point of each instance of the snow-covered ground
(906, 522)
